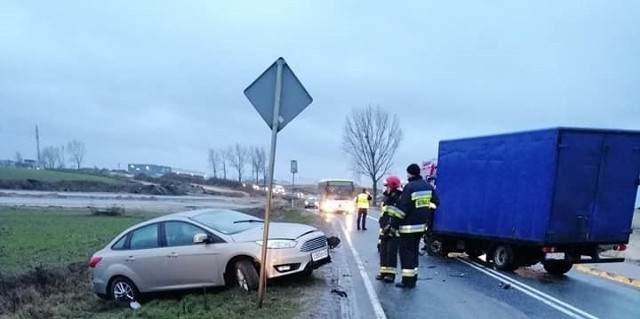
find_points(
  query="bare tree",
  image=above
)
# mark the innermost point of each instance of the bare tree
(262, 164)
(77, 150)
(253, 162)
(61, 157)
(51, 157)
(371, 138)
(238, 159)
(19, 158)
(224, 160)
(214, 159)
(257, 158)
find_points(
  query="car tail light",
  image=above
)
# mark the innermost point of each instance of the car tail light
(549, 250)
(94, 261)
(620, 247)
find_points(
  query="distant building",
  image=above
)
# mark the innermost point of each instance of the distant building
(148, 169)
(7, 163)
(29, 163)
(187, 172)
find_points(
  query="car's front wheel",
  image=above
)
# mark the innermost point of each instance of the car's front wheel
(246, 275)
(124, 290)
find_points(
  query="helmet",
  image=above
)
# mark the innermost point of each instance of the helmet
(393, 182)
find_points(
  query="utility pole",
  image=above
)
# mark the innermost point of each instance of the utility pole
(38, 146)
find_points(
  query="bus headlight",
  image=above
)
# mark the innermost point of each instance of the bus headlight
(328, 205)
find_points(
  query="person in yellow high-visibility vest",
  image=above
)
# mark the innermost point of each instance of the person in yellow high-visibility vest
(362, 204)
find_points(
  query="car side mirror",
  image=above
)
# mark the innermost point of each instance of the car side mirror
(200, 238)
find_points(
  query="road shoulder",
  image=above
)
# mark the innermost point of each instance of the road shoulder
(627, 273)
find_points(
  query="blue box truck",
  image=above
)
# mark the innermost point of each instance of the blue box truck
(557, 196)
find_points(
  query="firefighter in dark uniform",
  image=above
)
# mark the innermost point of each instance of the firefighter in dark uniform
(430, 216)
(418, 197)
(389, 236)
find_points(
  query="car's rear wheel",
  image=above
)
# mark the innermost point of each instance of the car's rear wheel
(124, 290)
(246, 275)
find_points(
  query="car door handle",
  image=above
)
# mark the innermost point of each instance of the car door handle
(131, 258)
(172, 255)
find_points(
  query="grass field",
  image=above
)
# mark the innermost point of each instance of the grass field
(59, 243)
(17, 174)
(50, 238)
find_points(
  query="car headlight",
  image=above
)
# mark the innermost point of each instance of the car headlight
(306, 202)
(279, 243)
(316, 203)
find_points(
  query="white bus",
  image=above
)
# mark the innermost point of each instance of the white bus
(336, 195)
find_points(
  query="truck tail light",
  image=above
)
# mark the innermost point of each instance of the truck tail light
(620, 247)
(548, 250)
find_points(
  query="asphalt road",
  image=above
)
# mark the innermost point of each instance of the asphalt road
(456, 287)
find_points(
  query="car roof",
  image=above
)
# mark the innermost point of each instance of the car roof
(187, 214)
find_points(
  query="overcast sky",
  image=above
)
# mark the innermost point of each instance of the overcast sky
(162, 81)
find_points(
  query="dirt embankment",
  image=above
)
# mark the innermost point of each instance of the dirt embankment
(171, 185)
(92, 186)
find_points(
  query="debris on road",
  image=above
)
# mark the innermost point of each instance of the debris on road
(339, 293)
(333, 242)
(461, 275)
(504, 285)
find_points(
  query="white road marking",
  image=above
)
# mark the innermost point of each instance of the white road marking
(375, 302)
(532, 292)
(373, 297)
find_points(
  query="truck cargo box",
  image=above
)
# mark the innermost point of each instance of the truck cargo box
(555, 186)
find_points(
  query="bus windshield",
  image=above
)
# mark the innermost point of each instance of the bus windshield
(339, 190)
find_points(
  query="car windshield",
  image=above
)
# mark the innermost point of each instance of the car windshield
(228, 222)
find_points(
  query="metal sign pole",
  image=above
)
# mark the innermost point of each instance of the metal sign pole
(262, 286)
(293, 189)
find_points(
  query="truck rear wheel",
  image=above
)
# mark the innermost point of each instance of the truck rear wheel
(503, 258)
(557, 268)
(436, 247)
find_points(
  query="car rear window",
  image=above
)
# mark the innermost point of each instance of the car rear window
(228, 222)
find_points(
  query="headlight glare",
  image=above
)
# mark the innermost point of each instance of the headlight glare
(279, 243)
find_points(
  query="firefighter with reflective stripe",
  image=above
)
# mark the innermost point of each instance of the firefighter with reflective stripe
(389, 236)
(418, 197)
(362, 203)
(430, 216)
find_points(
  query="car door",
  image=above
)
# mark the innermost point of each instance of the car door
(145, 257)
(191, 265)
